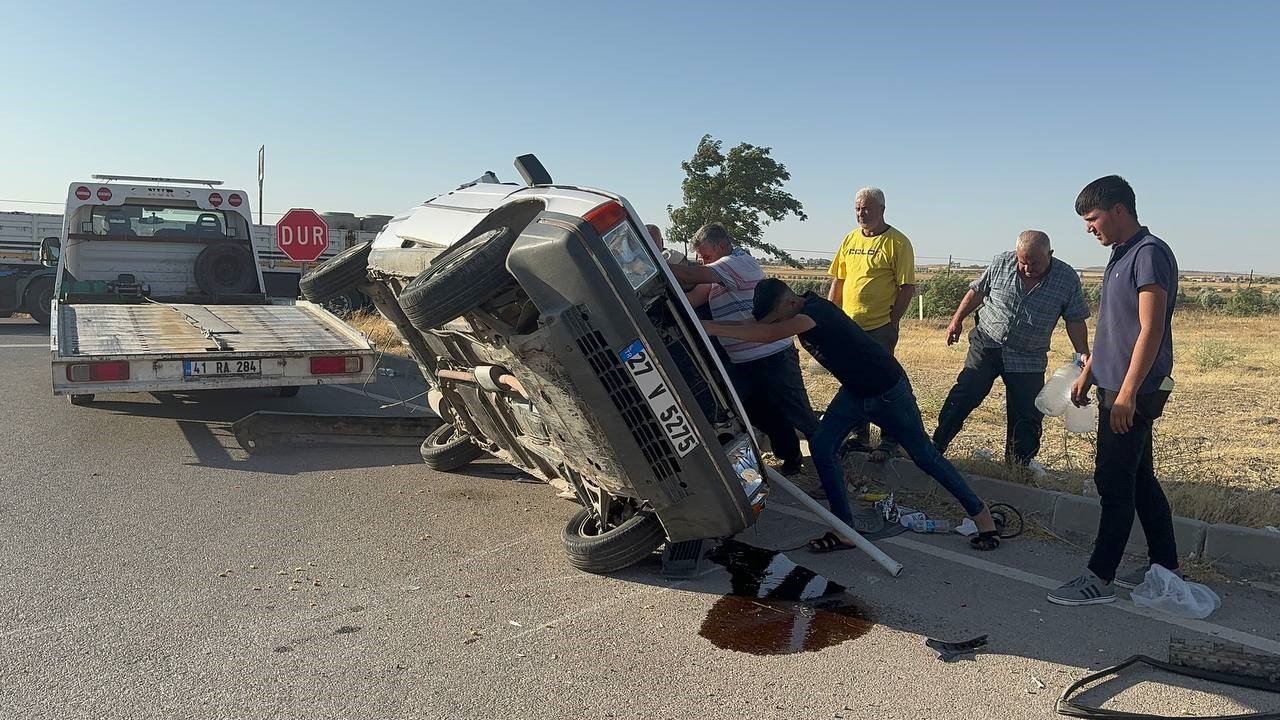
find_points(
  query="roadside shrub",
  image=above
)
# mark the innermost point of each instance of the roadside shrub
(1275, 300)
(943, 292)
(1092, 295)
(801, 287)
(1211, 354)
(1210, 299)
(1247, 302)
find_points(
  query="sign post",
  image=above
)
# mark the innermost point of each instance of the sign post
(262, 151)
(302, 235)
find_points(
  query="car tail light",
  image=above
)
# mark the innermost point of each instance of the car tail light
(98, 372)
(336, 365)
(606, 216)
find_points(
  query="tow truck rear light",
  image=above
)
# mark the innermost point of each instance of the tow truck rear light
(113, 370)
(336, 365)
(604, 217)
(234, 200)
(104, 194)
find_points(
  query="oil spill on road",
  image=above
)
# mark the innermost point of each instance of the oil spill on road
(777, 607)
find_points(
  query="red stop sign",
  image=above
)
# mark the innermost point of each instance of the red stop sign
(302, 235)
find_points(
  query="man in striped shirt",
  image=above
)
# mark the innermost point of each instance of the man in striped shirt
(765, 375)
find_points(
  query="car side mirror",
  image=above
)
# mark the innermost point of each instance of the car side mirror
(50, 249)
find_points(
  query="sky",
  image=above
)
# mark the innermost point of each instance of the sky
(978, 119)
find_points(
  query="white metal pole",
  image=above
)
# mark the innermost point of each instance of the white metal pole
(839, 526)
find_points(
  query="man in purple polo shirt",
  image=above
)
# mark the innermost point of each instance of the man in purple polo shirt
(1131, 364)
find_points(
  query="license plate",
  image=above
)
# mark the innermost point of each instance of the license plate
(660, 398)
(204, 368)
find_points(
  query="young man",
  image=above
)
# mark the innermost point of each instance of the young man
(766, 375)
(873, 387)
(873, 281)
(1023, 294)
(1131, 365)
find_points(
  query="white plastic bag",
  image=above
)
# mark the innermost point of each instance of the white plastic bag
(1162, 590)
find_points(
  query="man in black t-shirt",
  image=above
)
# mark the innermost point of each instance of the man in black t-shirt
(873, 386)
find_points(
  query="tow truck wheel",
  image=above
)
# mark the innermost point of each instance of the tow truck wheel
(39, 296)
(286, 391)
(338, 275)
(460, 281)
(225, 269)
(446, 449)
(594, 549)
(80, 400)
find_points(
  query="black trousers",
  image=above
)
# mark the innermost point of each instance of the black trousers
(773, 393)
(887, 336)
(1124, 472)
(1024, 422)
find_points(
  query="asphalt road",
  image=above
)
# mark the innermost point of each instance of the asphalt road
(149, 568)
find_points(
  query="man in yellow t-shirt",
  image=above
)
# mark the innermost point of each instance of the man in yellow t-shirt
(874, 280)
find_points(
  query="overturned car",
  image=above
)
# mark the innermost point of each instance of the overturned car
(556, 339)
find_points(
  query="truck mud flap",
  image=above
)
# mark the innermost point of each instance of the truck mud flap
(267, 430)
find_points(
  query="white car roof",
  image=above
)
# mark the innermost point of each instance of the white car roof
(443, 220)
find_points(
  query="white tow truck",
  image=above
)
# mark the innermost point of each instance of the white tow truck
(159, 289)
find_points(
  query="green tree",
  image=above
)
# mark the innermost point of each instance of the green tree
(741, 189)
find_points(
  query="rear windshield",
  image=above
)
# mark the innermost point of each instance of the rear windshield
(146, 221)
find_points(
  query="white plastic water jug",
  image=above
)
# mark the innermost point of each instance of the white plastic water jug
(1055, 397)
(1082, 419)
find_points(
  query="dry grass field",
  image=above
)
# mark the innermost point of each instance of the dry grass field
(1217, 446)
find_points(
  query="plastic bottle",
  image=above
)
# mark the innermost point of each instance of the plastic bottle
(930, 526)
(1056, 394)
(1082, 419)
(906, 519)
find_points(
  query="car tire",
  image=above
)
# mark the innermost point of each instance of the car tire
(337, 276)
(286, 391)
(460, 281)
(226, 269)
(80, 400)
(38, 298)
(446, 450)
(590, 550)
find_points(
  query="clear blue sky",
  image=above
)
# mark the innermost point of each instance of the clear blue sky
(977, 119)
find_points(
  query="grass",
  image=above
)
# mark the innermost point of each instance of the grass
(1217, 447)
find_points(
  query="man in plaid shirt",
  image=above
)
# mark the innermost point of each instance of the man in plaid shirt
(1022, 295)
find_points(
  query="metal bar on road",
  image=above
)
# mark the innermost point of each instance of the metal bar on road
(839, 526)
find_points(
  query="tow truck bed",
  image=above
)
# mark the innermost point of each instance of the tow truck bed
(162, 341)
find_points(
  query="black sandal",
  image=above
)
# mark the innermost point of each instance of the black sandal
(828, 543)
(989, 540)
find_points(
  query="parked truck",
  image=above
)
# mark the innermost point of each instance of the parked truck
(27, 280)
(159, 288)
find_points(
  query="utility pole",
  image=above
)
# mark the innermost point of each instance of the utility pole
(262, 153)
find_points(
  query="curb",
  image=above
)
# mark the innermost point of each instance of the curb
(1231, 548)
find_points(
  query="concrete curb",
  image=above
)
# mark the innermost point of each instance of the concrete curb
(1231, 548)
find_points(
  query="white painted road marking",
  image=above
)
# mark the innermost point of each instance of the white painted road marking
(1121, 604)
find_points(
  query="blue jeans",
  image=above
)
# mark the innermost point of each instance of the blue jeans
(897, 413)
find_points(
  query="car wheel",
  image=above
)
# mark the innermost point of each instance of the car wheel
(446, 449)
(460, 281)
(80, 400)
(337, 276)
(225, 269)
(594, 549)
(38, 299)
